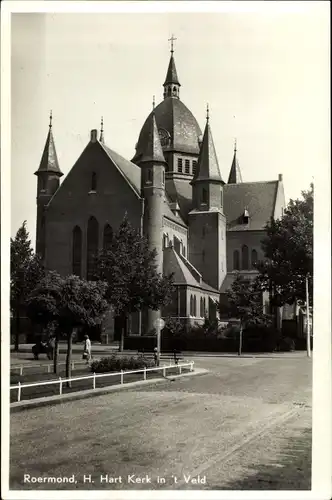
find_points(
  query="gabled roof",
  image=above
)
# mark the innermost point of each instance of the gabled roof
(207, 165)
(167, 212)
(130, 171)
(181, 274)
(172, 76)
(49, 161)
(152, 151)
(257, 197)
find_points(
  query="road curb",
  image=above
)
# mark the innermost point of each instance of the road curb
(55, 400)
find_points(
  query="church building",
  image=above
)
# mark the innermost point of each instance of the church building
(205, 230)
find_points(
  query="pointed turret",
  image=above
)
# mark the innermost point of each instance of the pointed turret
(49, 161)
(48, 175)
(172, 84)
(153, 151)
(207, 165)
(207, 222)
(235, 172)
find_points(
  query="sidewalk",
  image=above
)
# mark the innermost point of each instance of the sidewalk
(114, 348)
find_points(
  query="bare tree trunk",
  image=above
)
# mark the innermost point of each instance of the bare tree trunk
(17, 329)
(240, 339)
(56, 352)
(69, 353)
(123, 332)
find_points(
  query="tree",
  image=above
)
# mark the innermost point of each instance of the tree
(128, 266)
(25, 272)
(288, 249)
(69, 302)
(245, 303)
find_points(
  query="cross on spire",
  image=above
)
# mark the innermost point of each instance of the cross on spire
(207, 113)
(101, 139)
(50, 125)
(153, 103)
(172, 40)
(235, 145)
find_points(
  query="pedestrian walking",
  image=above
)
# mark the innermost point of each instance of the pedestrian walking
(87, 348)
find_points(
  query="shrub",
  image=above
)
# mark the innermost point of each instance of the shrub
(116, 363)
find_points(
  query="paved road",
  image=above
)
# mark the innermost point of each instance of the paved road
(245, 425)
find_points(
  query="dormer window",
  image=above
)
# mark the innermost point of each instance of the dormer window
(245, 216)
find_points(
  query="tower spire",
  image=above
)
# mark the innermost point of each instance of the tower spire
(235, 173)
(101, 139)
(171, 84)
(49, 160)
(207, 113)
(153, 102)
(51, 117)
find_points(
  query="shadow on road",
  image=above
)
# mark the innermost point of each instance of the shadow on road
(291, 470)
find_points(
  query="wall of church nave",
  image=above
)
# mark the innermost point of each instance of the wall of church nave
(200, 305)
(244, 249)
(176, 235)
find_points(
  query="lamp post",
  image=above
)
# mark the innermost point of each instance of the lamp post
(307, 313)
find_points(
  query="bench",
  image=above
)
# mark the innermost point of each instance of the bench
(176, 355)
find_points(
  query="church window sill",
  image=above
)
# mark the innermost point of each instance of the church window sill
(92, 192)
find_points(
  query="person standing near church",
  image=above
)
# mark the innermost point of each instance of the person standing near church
(87, 348)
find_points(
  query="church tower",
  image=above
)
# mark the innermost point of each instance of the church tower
(207, 222)
(48, 175)
(152, 165)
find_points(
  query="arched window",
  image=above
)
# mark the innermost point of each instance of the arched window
(191, 313)
(236, 260)
(108, 236)
(204, 306)
(204, 196)
(254, 259)
(221, 197)
(184, 251)
(94, 181)
(201, 312)
(169, 91)
(77, 251)
(174, 90)
(195, 307)
(92, 248)
(245, 257)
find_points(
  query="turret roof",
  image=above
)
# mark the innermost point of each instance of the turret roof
(171, 76)
(207, 165)
(235, 173)
(152, 151)
(49, 161)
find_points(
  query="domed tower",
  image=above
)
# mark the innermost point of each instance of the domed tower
(48, 175)
(180, 137)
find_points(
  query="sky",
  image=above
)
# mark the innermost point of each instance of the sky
(264, 74)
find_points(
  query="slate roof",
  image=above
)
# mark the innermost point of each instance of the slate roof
(131, 172)
(182, 275)
(207, 165)
(171, 76)
(49, 161)
(258, 197)
(176, 119)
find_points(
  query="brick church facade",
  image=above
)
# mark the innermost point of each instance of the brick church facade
(205, 230)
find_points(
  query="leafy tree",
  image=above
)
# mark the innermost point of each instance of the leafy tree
(70, 302)
(245, 303)
(25, 272)
(128, 266)
(288, 249)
